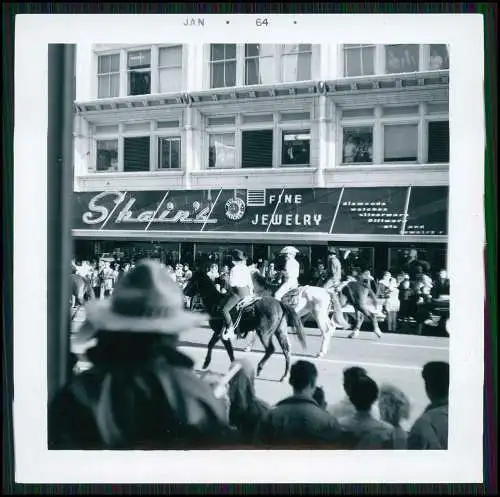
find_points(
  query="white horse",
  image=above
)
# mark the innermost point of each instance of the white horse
(311, 300)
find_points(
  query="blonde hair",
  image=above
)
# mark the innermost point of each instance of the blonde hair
(393, 404)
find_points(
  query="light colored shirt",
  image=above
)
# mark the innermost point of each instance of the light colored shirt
(240, 276)
(292, 269)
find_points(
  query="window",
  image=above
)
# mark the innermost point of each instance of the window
(296, 62)
(357, 145)
(439, 142)
(222, 151)
(259, 64)
(107, 155)
(169, 152)
(222, 65)
(296, 147)
(139, 72)
(438, 57)
(136, 154)
(169, 69)
(359, 60)
(401, 143)
(257, 148)
(402, 58)
(108, 76)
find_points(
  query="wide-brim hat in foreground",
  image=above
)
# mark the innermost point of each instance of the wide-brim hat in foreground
(238, 255)
(289, 250)
(145, 299)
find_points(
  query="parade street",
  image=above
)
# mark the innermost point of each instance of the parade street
(395, 359)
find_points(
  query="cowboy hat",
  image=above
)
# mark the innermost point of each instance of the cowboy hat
(289, 250)
(238, 255)
(332, 250)
(145, 299)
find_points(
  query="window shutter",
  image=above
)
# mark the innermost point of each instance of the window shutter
(439, 142)
(136, 154)
(257, 149)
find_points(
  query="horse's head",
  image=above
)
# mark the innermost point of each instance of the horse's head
(199, 284)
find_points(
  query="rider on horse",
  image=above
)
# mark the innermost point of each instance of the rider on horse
(241, 286)
(334, 270)
(291, 271)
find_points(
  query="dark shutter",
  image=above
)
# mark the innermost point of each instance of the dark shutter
(257, 148)
(136, 154)
(439, 142)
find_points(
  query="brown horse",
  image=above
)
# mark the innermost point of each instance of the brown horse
(267, 316)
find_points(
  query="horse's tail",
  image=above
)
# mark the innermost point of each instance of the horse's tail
(293, 319)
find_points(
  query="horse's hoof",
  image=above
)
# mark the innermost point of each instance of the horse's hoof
(248, 348)
(283, 379)
(321, 355)
(379, 334)
(205, 365)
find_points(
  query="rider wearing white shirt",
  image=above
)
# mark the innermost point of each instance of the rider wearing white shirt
(292, 270)
(241, 286)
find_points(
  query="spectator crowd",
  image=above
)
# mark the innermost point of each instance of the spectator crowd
(143, 393)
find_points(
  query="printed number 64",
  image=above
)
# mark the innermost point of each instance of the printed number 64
(261, 22)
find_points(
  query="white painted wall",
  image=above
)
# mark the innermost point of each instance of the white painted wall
(84, 72)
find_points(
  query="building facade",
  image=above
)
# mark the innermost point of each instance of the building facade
(184, 152)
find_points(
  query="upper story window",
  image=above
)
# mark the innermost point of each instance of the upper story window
(169, 69)
(402, 58)
(417, 134)
(259, 64)
(108, 76)
(139, 72)
(359, 60)
(256, 64)
(144, 71)
(258, 140)
(137, 146)
(369, 59)
(222, 65)
(296, 62)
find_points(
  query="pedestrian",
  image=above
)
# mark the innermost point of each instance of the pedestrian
(298, 421)
(430, 431)
(319, 397)
(365, 432)
(345, 408)
(246, 409)
(142, 392)
(394, 407)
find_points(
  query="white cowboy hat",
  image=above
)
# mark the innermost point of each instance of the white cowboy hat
(146, 299)
(289, 250)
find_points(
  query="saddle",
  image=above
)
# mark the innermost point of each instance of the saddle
(238, 310)
(291, 298)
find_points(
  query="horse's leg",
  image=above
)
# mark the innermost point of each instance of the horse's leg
(282, 336)
(269, 350)
(211, 344)
(324, 324)
(229, 349)
(359, 321)
(372, 317)
(251, 341)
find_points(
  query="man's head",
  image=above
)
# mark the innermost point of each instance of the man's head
(443, 274)
(321, 267)
(303, 375)
(351, 375)
(436, 377)
(363, 393)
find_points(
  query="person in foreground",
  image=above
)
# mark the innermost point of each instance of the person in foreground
(364, 431)
(298, 422)
(430, 431)
(394, 406)
(141, 393)
(345, 408)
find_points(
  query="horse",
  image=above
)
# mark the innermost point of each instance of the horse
(360, 297)
(311, 300)
(266, 315)
(81, 290)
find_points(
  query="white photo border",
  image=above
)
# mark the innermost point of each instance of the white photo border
(461, 463)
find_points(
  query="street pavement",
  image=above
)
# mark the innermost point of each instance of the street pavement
(395, 358)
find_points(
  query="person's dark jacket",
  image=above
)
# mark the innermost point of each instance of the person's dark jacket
(298, 422)
(137, 398)
(441, 287)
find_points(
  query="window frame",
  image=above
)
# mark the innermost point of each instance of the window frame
(158, 67)
(152, 132)
(108, 74)
(378, 122)
(358, 47)
(156, 138)
(141, 70)
(238, 127)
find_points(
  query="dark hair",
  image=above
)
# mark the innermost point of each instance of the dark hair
(302, 375)
(319, 396)
(364, 393)
(351, 375)
(436, 376)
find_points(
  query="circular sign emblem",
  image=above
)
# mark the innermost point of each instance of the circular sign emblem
(235, 209)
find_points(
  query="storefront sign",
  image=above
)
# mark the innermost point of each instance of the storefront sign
(317, 210)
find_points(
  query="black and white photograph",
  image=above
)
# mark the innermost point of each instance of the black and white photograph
(265, 240)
